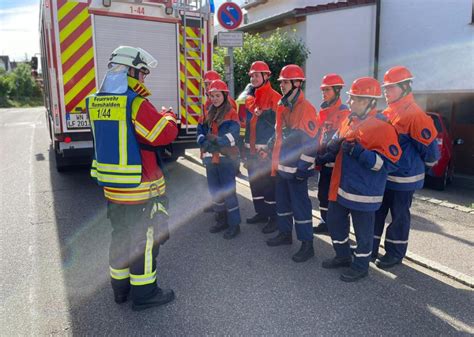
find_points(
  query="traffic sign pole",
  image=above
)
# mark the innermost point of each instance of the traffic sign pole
(230, 17)
(230, 52)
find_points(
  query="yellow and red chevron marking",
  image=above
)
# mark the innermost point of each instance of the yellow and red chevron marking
(191, 68)
(77, 55)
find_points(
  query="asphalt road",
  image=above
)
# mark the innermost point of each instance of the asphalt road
(54, 265)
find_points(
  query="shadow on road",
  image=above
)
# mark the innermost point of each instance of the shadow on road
(239, 286)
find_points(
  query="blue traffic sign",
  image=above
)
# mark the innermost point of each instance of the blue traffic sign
(229, 15)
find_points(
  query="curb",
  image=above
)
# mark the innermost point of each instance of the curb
(412, 257)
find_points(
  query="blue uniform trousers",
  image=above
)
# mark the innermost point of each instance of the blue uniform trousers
(396, 238)
(292, 202)
(262, 185)
(363, 223)
(221, 183)
(323, 191)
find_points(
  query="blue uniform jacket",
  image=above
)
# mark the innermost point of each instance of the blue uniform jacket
(417, 138)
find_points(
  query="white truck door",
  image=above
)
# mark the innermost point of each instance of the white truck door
(157, 38)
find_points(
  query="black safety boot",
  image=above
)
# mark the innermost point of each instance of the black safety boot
(208, 209)
(321, 228)
(257, 218)
(280, 239)
(232, 232)
(305, 253)
(387, 261)
(352, 275)
(221, 223)
(271, 226)
(120, 298)
(337, 262)
(162, 296)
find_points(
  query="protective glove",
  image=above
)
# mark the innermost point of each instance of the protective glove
(299, 176)
(251, 90)
(323, 159)
(334, 145)
(210, 137)
(262, 154)
(353, 149)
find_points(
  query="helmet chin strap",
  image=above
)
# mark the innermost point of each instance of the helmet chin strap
(406, 89)
(372, 104)
(337, 94)
(263, 81)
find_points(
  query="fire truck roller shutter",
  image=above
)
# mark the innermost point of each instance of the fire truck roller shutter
(157, 38)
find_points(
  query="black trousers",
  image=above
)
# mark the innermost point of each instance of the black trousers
(133, 249)
(323, 191)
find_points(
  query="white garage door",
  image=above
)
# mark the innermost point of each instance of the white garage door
(158, 38)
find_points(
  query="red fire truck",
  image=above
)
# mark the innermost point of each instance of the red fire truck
(77, 38)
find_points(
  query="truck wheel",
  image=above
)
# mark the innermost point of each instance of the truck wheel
(439, 183)
(60, 162)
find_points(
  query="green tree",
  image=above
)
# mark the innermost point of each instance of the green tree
(5, 88)
(18, 88)
(277, 50)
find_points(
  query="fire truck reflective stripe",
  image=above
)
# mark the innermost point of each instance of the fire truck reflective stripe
(72, 88)
(81, 62)
(83, 42)
(359, 198)
(123, 143)
(378, 163)
(80, 98)
(230, 138)
(287, 169)
(306, 158)
(397, 242)
(119, 274)
(77, 57)
(67, 13)
(80, 74)
(67, 7)
(142, 131)
(149, 251)
(157, 130)
(140, 280)
(73, 24)
(406, 180)
(362, 255)
(74, 35)
(341, 242)
(191, 68)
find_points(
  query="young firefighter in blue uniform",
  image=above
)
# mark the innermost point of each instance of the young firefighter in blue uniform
(127, 129)
(331, 115)
(217, 136)
(363, 161)
(261, 105)
(293, 159)
(417, 137)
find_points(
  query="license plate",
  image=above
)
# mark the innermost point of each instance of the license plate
(77, 120)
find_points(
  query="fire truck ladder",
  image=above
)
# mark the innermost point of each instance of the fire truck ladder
(193, 17)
